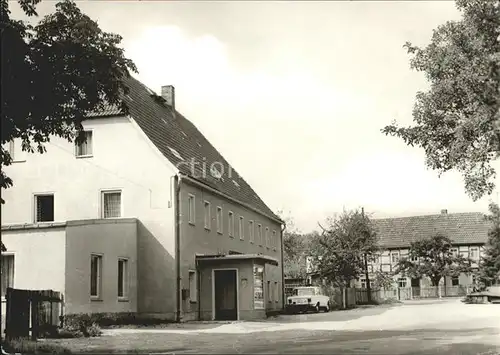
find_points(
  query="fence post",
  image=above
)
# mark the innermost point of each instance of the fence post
(34, 315)
(8, 313)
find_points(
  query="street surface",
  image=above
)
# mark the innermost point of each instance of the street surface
(435, 327)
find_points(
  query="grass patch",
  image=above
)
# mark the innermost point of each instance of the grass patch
(26, 346)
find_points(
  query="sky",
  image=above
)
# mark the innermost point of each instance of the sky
(294, 95)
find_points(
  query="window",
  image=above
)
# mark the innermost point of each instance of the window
(454, 252)
(464, 254)
(269, 292)
(259, 234)
(241, 230)
(276, 291)
(402, 282)
(7, 272)
(385, 268)
(193, 286)
(363, 283)
(12, 150)
(84, 149)
(455, 281)
(219, 220)
(207, 215)
(111, 204)
(122, 278)
(275, 240)
(267, 237)
(15, 149)
(474, 253)
(414, 259)
(251, 231)
(95, 275)
(230, 224)
(44, 208)
(191, 210)
(395, 257)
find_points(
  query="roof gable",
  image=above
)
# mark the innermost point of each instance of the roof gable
(461, 228)
(184, 145)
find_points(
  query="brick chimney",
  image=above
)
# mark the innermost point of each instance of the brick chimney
(168, 94)
(444, 211)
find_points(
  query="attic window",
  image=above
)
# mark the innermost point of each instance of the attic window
(215, 172)
(176, 153)
(236, 184)
(185, 135)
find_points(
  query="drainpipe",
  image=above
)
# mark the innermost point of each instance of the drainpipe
(282, 269)
(177, 188)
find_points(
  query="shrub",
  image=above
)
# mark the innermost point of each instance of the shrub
(94, 330)
(79, 325)
(25, 346)
(86, 320)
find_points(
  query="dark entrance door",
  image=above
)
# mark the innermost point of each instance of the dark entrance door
(226, 297)
(415, 287)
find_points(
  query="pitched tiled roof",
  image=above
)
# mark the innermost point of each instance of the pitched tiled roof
(108, 110)
(461, 228)
(182, 143)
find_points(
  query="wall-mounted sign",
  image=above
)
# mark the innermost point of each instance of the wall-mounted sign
(258, 287)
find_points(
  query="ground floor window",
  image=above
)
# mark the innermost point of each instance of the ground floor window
(363, 283)
(455, 281)
(402, 282)
(122, 278)
(258, 287)
(95, 275)
(276, 291)
(7, 272)
(269, 292)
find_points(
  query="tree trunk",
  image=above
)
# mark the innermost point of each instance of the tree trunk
(435, 282)
(368, 286)
(344, 294)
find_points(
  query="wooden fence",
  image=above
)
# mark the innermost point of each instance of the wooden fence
(32, 312)
(411, 293)
(360, 295)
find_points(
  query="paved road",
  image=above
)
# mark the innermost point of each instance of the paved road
(429, 341)
(441, 327)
